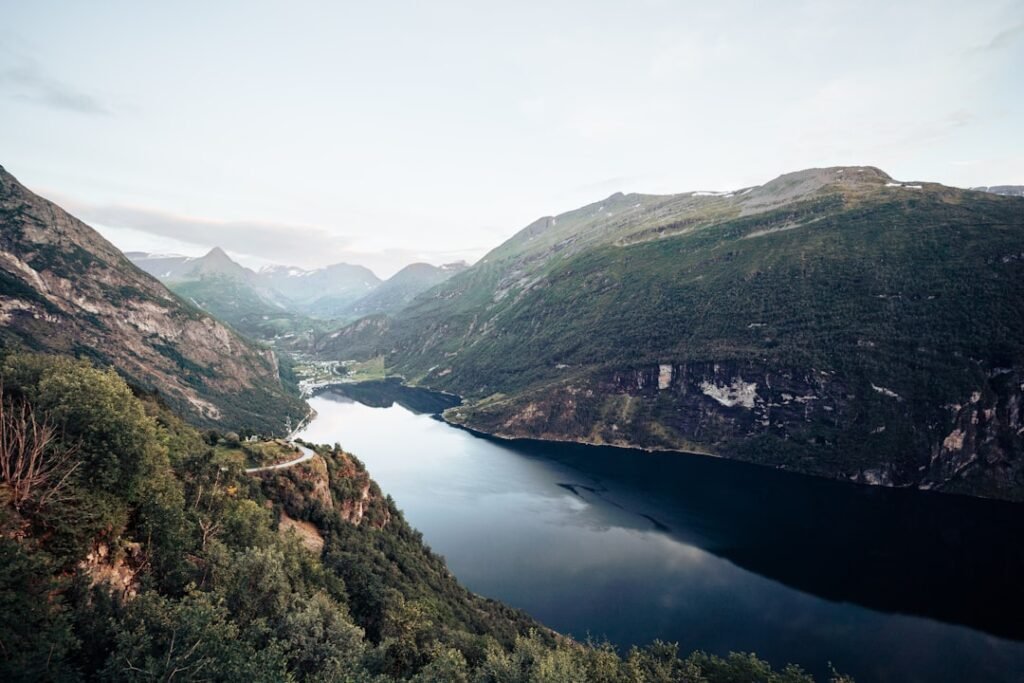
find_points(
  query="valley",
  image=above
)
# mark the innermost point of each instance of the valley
(287, 306)
(686, 548)
(543, 342)
(832, 322)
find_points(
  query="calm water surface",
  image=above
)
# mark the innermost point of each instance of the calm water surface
(631, 546)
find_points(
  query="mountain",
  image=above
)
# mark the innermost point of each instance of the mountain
(832, 321)
(240, 296)
(64, 289)
(172, 268)
(401, 288)
(1005, 190)
(321, 293)
(223, 288)
(164, 267)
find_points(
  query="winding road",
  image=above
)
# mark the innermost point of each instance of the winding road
(307, 454)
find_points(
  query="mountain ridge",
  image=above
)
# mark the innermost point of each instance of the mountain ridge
(400, 289)
(704, 322)
(240, 295)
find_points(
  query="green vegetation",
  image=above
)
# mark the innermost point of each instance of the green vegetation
(132, 550)
(916, 279)
(368, 370)
(883, 309)
(65, 290)
(227, 298)
(396, 292)
(246, 309)
(230, 450)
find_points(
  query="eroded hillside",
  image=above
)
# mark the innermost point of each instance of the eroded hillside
(64, 289)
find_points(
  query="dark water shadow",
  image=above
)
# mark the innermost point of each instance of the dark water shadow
(950, 558)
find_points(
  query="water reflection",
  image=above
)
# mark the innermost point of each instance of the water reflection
(713, 554)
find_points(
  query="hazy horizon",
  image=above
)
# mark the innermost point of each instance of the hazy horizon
(383, 136)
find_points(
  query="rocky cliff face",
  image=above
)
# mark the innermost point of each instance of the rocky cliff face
(65, 289)
(334, 481)
(812, 421)
(982, 449)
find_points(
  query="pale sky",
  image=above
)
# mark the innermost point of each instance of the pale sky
(383, 133)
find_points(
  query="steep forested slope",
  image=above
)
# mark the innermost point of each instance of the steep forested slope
(135, 548)
(832, 321)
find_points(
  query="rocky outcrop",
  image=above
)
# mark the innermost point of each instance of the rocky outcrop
(986, 440)
(334, 483)
(812, 421)
(357, 497)
(117, 571)
(308, 534)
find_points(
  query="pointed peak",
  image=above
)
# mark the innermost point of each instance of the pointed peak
(217, 252)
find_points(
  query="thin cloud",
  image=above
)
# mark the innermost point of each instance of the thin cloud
(281, 243)
(258, 238)
(29, 84)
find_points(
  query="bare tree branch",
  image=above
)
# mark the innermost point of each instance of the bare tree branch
(33, 465)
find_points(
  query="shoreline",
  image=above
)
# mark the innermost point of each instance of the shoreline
(303, 423)
(507, 438)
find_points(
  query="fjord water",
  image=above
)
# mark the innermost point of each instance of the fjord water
(630, 546)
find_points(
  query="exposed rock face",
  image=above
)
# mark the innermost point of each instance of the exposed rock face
(116, 571)
(65, 289)
(358, 497)
(332, 482)
(307, 532)
(832, 427)
(986, 438)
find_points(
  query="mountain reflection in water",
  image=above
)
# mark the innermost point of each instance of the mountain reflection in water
(717, 555)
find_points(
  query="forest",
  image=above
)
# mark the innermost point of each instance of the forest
(133, 547)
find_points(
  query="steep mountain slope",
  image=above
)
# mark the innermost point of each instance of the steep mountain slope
(64, 289)
(321, 293)
(234, 294)
(396, 292)
(218, 285)
(832, 321)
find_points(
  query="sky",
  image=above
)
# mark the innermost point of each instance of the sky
(383, 133)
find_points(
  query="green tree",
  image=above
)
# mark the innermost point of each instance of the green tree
(319, 639)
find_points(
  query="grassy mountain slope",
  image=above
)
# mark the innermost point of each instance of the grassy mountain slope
(235, 295)
(64, 289)
(832, 321)
(400, 289)
(323, 293)
(144, 552)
